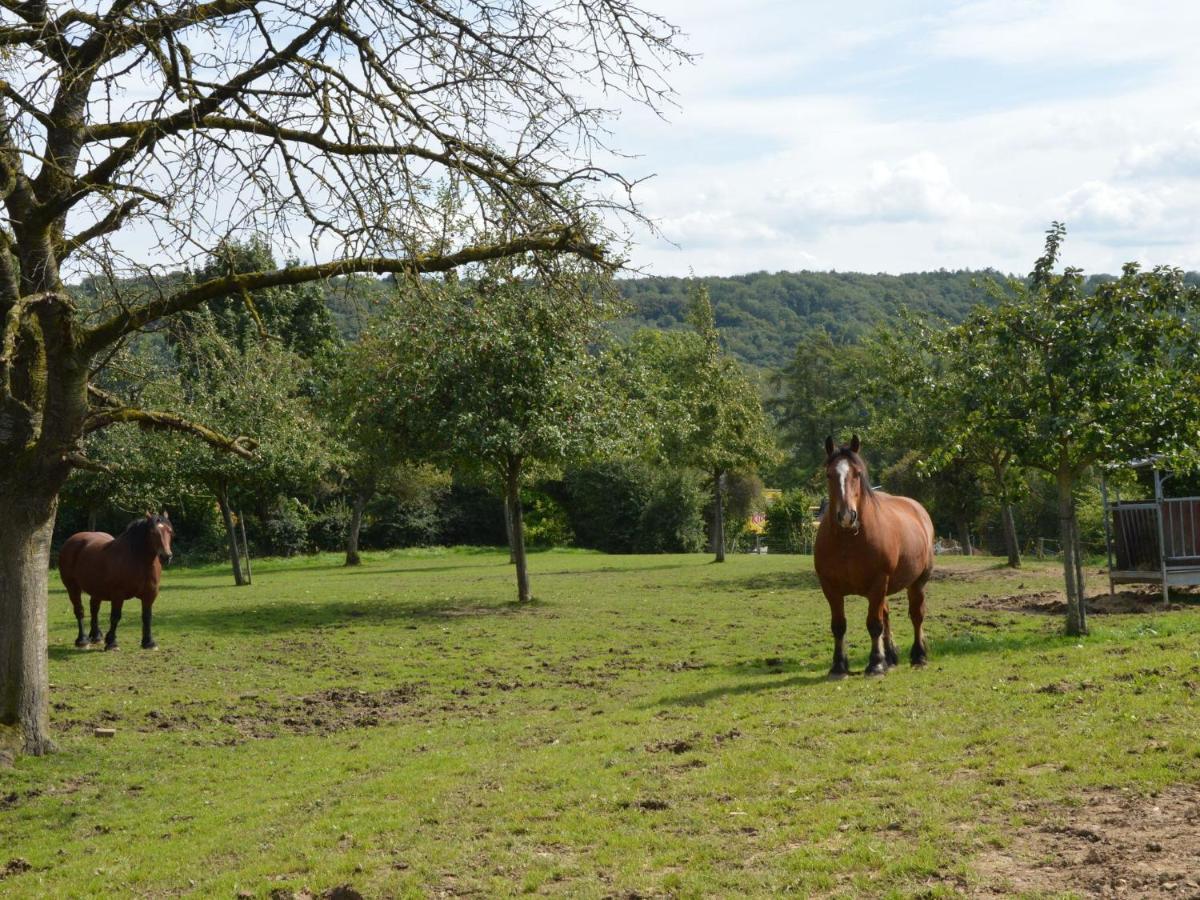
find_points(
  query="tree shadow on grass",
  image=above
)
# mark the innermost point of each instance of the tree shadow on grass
(702, 698)
(282, 616)
(799, 580)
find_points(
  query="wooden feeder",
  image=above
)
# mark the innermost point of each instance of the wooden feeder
(1152, 541)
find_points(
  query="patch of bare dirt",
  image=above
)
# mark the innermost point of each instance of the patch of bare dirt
(325, 712)
(14, 866)
(1100, 604)
(943, 571)
(1117, 844)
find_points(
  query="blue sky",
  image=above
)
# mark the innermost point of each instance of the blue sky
(881, 136)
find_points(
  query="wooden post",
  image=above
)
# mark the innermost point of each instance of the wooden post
(1108, 544)
(245, 547)
(1162, 546)
(1041, 548)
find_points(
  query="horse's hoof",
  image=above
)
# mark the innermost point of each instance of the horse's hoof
(82, 642)
(919, 663)
(112, 646)
(875, 670)
(836, 676)
(150, 646)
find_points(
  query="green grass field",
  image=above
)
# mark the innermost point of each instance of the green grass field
(651, 726)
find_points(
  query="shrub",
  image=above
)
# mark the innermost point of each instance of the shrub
(790, 527)
(546, 523)
(327, 528)
(629, 506)
(391, 522)
(472, 514)
(285, 530)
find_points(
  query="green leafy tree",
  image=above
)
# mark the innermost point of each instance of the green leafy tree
(1068, 379)
(373, 453)
(296, 315)
(500, 374)
(818, 393)
(709, 412)
(913, 382)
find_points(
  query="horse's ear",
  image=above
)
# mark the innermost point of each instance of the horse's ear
(855, 443)
(166, 515)
(829, 445)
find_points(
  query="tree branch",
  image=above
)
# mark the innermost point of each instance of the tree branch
(567, 240)
(79, 461)
(110, 223)
(154, 420)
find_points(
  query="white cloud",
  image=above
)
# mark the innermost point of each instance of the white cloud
(1175, 157)
(825, 139)
(1068, 32)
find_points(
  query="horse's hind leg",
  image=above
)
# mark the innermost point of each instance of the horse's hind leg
(110, 639)
(94, 636)
(77, 604)
(837, 624)
(916, 612)
(890, 653)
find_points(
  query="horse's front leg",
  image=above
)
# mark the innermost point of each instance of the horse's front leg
(110, 639)
(837, 624)
(147, 638)
(876, 614)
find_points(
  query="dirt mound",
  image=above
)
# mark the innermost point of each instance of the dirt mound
(1116, 844)
(1055, 603)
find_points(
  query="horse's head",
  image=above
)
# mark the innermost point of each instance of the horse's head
(848, 481)
(158, 536)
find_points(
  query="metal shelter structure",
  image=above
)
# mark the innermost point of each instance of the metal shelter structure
(1152, 541)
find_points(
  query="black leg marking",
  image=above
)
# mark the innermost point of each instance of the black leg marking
(147, 638)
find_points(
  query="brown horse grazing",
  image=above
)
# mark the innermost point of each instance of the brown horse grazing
(873, 544)
(115, 569)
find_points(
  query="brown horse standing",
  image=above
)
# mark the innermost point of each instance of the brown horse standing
(115, 569)
(873, 544)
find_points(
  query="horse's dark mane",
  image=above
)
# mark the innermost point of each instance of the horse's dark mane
(137, 530)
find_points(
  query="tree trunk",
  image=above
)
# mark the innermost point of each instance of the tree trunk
(513, 493)
(25, 531)
(508, 529)
(964, 536)
(235, 556)
(43, 404)
(718, 520)
(1072, 571)
(1011, 546)
(91, 520)
(356, 515)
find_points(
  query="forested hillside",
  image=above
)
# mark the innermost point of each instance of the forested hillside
(763, 316)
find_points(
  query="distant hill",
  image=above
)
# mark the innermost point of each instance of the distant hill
(763, 316)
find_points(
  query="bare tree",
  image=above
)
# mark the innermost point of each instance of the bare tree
(387, 135)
